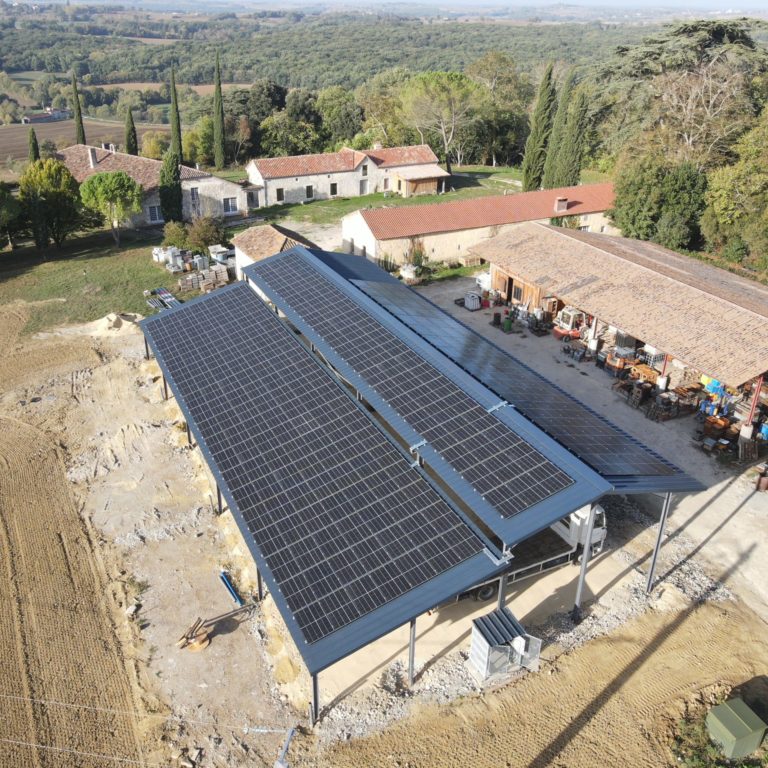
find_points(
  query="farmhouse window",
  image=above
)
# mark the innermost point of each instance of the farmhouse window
(155, 214)
(365, 169)
(280, 194)
(309, 191)
(334, 189)
(230, 205)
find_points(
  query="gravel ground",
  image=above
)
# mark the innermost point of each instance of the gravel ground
(371, 710)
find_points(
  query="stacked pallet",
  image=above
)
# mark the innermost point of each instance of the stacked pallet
(205, 280)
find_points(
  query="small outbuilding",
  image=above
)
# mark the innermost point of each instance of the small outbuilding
(256, 243)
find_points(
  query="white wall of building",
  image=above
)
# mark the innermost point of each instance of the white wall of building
(211, 193)
(348, 184)
(442, 246)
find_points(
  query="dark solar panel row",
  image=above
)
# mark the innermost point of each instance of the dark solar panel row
(599, 443)
(506, 470)
(344, 523)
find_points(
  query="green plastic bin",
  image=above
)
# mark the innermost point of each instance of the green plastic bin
(735, 728)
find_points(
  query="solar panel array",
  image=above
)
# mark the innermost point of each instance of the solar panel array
(343, 521)
(506, 470)
(599, 443)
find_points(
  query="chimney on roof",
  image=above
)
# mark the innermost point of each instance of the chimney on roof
(561, 204)
(92, 156)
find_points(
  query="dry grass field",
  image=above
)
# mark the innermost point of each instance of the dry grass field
(13, 138)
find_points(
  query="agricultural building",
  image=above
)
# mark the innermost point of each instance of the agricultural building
(373, 476)
(447, 231)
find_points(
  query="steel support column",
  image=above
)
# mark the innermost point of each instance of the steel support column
(586, 553)
(218, 497)
(314, 707)
(189, 436)
(259, 585)
(412, 654)
(165, 389)
(659, 539)
(502, 596)
(146, 349)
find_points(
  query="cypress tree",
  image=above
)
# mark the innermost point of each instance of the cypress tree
(568, 171)
(218, 120)
(538, 138)
(131, 141)
(175, 120)
(34, 148)
(550, 178)
(79, 130)
(170, 187)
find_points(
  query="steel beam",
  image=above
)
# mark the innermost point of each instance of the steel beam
(659, 539)
(189, 436)
(585, 556)
(146, 349)
(259, 585)
(165, 388)
(218, 497)
(412, 654)
(755, 399)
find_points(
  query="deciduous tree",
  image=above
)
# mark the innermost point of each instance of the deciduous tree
(114, 195)
(439, 103)
(10, 214)
(340, 114)
(660, 202)
(49, 195)
(280, 135)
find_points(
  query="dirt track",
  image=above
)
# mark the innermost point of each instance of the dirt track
(608, 703)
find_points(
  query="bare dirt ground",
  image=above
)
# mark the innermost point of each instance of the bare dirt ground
(108, 512)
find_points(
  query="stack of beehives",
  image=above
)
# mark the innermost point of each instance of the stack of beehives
(205, 280)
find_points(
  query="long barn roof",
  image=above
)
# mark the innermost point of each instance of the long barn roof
(710, 319)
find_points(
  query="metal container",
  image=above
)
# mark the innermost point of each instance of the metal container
(735, 728)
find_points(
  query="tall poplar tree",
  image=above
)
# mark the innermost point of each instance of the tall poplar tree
(541, 128)
(79, 130)
(550, 178)
(34, 147)
(571, 154)
(131, 140)
(218, 120)
(175, 119)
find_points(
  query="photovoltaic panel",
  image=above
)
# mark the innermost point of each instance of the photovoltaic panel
(615, 454)
(343, 522)
(501, 466)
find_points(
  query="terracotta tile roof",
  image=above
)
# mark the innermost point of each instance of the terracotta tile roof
(308, 165)
(416, 172)
(416, 220)
(268, 239)
(143, 170)
(392, 157)
(710, 319)
(344, 160)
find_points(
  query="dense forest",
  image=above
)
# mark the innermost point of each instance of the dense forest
(293, 50)
(676, 116)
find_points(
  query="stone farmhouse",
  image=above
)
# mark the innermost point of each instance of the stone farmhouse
(202, 193)
(404, 171)
(447, 231)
